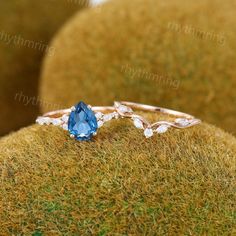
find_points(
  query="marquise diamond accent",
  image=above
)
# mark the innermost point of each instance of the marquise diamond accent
(108, 117)
(138, 123)
(162, 129)
(124, 109)
(182, 121)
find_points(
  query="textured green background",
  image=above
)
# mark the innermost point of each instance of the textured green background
(178, 183)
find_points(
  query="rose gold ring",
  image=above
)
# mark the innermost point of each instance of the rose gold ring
(82, 121)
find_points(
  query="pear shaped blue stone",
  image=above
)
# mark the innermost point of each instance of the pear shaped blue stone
(82, 122)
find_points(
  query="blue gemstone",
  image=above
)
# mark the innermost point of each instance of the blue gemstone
(82, 122)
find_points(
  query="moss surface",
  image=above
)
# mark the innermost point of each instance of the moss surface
(178, 54)
(178, 183)
(26, 28)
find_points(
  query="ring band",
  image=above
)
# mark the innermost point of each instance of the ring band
(82, 121)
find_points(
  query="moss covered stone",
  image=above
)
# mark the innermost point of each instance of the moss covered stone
(177, 54)
(26, 28)
(178, 183)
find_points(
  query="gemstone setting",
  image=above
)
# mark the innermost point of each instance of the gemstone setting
(124, 109)
(162, 129)
(182, 121)
(148, 132)
(82, 123)
(138, 123)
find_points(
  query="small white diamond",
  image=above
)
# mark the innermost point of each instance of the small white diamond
(107, 117)
(65, 126)
(56, 122)
(138, 123)
(162, 129)
(116, 115)
(148, 132)
(99, 115)
(100, 124)
(39, 121)
(182, 121)
(65, 118)
(43, 120)
(124, 109)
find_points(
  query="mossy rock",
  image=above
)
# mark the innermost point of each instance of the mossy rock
(178, 183)
(176, 54)
(26, 28)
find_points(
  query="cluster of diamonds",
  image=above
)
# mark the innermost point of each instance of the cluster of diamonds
(63, 121)
(60, 121)
(150, 129)
(103, 118)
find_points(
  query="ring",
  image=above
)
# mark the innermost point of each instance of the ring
(82, 121)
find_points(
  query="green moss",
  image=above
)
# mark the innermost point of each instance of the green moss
(26, 28)
(176, 54)
(178, 183)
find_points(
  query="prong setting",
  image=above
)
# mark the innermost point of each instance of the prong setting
(73, 108)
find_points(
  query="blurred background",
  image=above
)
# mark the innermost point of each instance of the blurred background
(177, 54)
